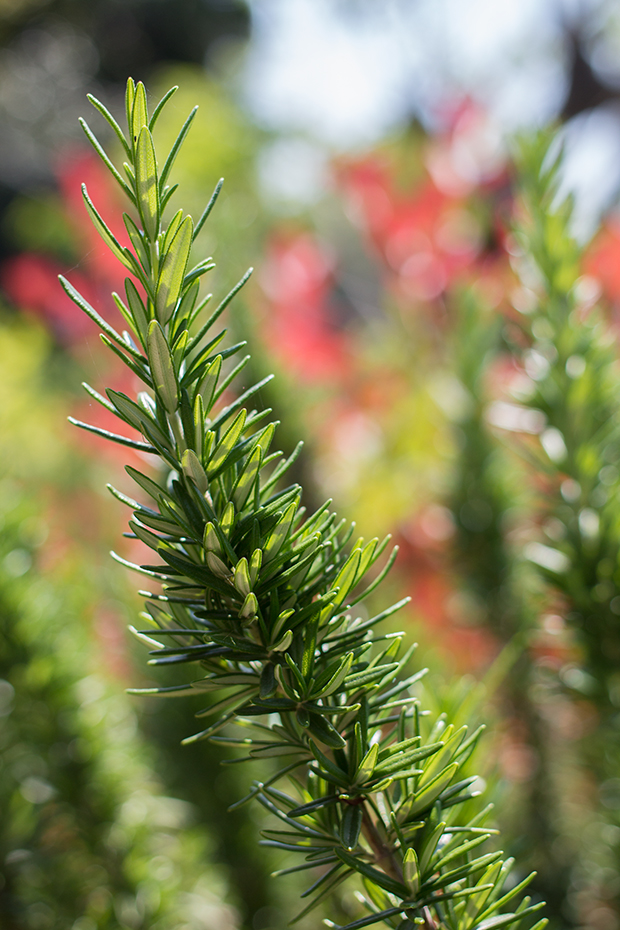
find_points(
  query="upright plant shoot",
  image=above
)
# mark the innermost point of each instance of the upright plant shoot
(261, 597)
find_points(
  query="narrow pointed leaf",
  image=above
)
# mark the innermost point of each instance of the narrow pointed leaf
(110, 119)
(226, 444)
(139, 116)
(146, 183)
(162, 367)
(411, 872)
(174, 151)
(173, 270)
(106, 234)
(83, 304)
(351, 825)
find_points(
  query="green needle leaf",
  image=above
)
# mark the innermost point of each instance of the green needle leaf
(324, 731)
(429, 795)
(106, 160)
(106, 234)
(162, 367)
(379, 878)
(411, 872)
(162, 103)
(110, 119)
(367, 765)
(228, 441)
(83, 304)
(174, 151)
(139, 116)
(209, 206)
(351, 825)
(146, 183)
(192, 467)
(173, 271)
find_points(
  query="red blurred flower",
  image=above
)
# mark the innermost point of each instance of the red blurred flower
(78, 168)
(425, 237)
(299, 325)
(602, 259)
(30, 280)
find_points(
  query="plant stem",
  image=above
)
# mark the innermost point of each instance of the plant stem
(384, 854)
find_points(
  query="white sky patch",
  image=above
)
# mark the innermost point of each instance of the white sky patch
(591, 168)
(530, 96)
(293, 171)
(478, 35)
(345, 72)
(314, 66)
(504, 55)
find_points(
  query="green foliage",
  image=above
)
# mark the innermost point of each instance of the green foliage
(575, 382)
(482, 492)
(259, 594)
(87, 833)
(489, 499)
(43, 625)
(572, 360)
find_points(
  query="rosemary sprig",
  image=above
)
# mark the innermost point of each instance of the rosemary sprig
(258, 594)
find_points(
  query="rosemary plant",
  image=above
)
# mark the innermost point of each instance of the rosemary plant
(573, 362)
(572, 358)
(260, 596)
(504, 584)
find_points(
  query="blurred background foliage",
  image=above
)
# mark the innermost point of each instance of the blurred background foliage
(445, 344)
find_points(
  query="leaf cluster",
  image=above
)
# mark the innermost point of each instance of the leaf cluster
(260, 595)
